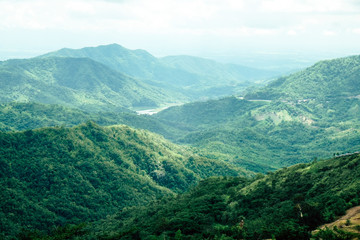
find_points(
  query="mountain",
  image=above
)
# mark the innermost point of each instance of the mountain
(310, 114)
(212, 72)
(263, 135)
(74, 82)
(330, 79)
(260, 135)
(286, 204)
(256, 135)
(57, 176)
(188, 76)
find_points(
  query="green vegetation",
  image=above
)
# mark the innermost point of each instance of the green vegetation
(62, 180)
(286, 204)
(335, 234)
(331, 79)
(215, 77)
(261, 136)
(75, 82)
(183, 76)
(26, 116)
(57, 176)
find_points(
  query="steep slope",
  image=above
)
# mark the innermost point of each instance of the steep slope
(136, 63)
(323, 81)
(348, 224)
(190, 78)
(75, 82)
(54, 176)
(286, 204)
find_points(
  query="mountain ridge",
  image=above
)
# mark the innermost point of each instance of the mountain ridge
(160, 72)
(324, 80)
(76, 82)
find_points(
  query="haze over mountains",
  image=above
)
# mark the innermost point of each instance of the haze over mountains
(193, 77)
(66, 160)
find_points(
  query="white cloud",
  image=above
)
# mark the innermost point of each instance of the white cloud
(356, 30)
(328, 33)
(292, 32)
(308, 6)
(196, 22)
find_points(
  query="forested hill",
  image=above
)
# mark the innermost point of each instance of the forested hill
(260, 135)
(328, 79)
(16, 116)
(195, 78)
(55, 176)
(286, 204)
(75, 82)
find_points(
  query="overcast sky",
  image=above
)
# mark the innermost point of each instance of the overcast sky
(194, 27)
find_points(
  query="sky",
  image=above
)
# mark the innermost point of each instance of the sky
(223, 29)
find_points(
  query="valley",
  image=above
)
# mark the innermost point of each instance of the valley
(110, 143)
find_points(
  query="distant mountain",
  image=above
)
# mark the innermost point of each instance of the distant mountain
(185, 75)
(54, 176)
(75, 82)
(328, 79)
(286, 204)
(214, 73)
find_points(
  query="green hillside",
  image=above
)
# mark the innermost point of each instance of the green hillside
(255, 135)
(286, 204)
(16, 116)
(56, 176)
(75, 82)
(135, 63)
(338, 78)
(187, 77)
(261, 135)
(310, 114)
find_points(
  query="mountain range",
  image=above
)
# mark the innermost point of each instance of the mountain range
(113, 78)
(75, 82)
(195, 78)
(71, 169)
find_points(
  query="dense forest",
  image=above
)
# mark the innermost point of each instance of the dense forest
(286, 204)
(73, 175)
(75, 82)
(78, 162)
(330, 79)
(258, 136)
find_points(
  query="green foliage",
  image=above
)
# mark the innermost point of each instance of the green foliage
(335, 234)
(75, 82)
(286, 204)
(325, 80)
(24, 116)
(54, 176)
(183, 77)
(263, 135)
